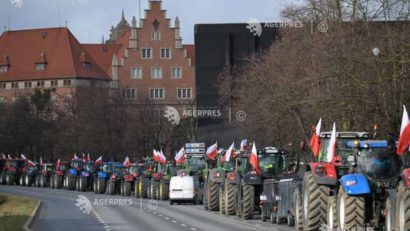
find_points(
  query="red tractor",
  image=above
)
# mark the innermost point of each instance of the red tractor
(13, 171)
(57, 178)
(128, 180)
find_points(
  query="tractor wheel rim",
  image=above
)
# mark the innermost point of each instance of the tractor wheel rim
(305, 204)
(401, 215)
(297, 209)
(388, 221)
(330, 218)
(342, 212)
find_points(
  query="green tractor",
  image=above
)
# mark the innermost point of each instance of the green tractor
(161, 178)
(143, 181)
(195, 165)
(249, 186)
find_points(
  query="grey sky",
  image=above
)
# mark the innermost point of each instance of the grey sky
(90, 19)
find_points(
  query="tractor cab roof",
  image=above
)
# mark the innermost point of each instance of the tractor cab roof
(368, 144)
(347, 135)
(272, 150)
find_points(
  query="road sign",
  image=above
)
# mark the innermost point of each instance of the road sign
(195, 145)
(194, 150)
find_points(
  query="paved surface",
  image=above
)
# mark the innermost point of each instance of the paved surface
(59, 212)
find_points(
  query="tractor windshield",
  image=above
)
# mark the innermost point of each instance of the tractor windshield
(196, 162)
(17, 164)
(343, 151)
(229, 166)
(271, 163)
(89, 167)
(379, 163)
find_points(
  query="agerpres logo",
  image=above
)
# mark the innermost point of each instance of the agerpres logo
(172, 115)
(254, 26)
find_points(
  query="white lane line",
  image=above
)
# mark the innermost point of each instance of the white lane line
(183, 225)
(160, 215)
(193, 229)
(166, 218)
(174, 222)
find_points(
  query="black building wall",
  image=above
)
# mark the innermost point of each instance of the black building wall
(219, 46)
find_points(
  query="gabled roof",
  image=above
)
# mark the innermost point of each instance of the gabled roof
(61, 51)
(102, 54)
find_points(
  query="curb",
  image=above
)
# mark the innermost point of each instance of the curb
(34, 214)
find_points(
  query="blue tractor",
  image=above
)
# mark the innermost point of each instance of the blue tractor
(366, 195)
(71, 175)
(101, 177)
(85, 180)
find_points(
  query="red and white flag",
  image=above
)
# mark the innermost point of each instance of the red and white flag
(212, 151)
(156, 156)
(99, 160)
(331, 149)
(76, 157)
(229, 153)
(180, 156)
(84, 159)
(163, 159)
(254, 161)
(23, 157)
(127, 162)
(4, 156)
(9, 157)
(31, 163)
(88, 157)
(404, 139)
(315, 139)
(58, 163)
(41, 160)
(244, 143)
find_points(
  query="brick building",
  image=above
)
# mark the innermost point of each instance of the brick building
(144, 61)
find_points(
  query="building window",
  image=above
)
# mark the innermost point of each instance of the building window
(27, 84)
(129, 93)
(87, 65)
(176, 73)
(14, 85)
(67, 82)
(165, 53)
(146, 53)
(40, 66)
(184, 93)
(40, 83)
(156, 73)
(157, 93)
(54, 83)
(4, 68)
(2, 85)
(156, 35)
(136, 73)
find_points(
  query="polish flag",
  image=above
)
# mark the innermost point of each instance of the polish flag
(99, 160)
(331, 150)
(31, 163)
(41, 160)
(229, 153)
(84, 159)
(212, 151)
(9, 157)
(58, 163)
(404, 139)
(156, 156)
(88, 157)
(243, 144)
(127, 162)
(76, 157)
(4, 156)
(163, 159)
(314, 140)
(180, 156)
(254, 161)
(23, 157)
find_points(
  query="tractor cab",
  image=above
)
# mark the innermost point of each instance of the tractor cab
(195, 162)
(272, 161)
(89, 167)
(374, 159)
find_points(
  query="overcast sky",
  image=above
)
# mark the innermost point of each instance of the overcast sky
(90, 19)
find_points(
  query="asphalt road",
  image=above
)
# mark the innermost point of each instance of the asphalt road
(60, 212)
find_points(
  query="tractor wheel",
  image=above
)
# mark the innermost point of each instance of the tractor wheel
(95, 185)
(154, 188)
(230, 199)
(71, 182)
(83, 184)
(298, 207)
(272, 218)
(163, 191)
(100, 185)
(248, 201)
(36, 181)
(28, 180)
(390, 213)
(144, 187)
(314, 203)
(122, 188)
(403, 208)
(127, 188)
(264, 215)
(10, 179)
(52, 182)
(351, 212)
(3, 178)
(332, 222)
(21, 181)
(221, 201)
(213, 195)
(136, 188)
(58, 181)
(111, 187)
(205, 196)
(43, 181)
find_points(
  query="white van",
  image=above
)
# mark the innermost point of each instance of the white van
(181, 188)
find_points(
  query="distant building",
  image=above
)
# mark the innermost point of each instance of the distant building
(145, 63)
(219, 47)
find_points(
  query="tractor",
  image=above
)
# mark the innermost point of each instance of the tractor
(161, 179)
(70, 179)
(195, 165)
(43, 178)
(29, 175)
(402, 207)
(86, 177)
(13, 171)
(128, 180)
(117, 171)
(58, 174)
(144, 180)
(365, 195)
(2, 169)
(103, 174)
(272, 162)
(322, 176)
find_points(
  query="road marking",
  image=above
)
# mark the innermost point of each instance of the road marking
(174, 221)
(160, 215)
(183, 225)
(193, 229)
(166, 218)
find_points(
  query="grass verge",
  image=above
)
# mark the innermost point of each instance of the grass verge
(15, 211)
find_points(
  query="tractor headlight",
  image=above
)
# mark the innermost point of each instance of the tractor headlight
(263, 197)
